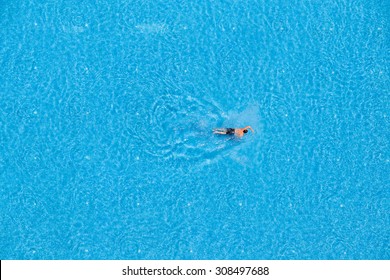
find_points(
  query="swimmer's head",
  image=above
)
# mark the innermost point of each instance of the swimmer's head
(245, 130)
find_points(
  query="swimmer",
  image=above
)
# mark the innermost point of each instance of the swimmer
(239, 132)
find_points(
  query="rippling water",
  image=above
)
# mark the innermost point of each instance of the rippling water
(106, 118)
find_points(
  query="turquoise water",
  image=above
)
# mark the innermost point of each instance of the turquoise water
(106, 112)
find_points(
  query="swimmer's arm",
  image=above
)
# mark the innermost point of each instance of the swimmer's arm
(249, 128)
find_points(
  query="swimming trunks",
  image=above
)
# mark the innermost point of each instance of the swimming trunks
(230, 130)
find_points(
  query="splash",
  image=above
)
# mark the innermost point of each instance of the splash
(250, 144)
(249, 116)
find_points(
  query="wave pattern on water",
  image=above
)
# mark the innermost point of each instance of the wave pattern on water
(180, 127)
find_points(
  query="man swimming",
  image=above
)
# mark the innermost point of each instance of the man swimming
(239, 132)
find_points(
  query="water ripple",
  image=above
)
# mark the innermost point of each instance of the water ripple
(74, 20)
(180, 127)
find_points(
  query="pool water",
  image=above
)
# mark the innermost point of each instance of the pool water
(106, 117)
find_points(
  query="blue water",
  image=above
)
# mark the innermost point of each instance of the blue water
(106, 112)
